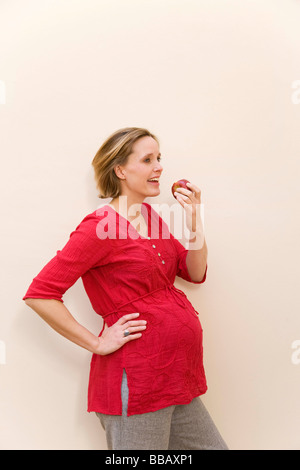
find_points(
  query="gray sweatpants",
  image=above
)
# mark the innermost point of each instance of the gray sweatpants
(177, 427)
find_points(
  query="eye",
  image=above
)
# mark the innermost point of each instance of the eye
(148, 159)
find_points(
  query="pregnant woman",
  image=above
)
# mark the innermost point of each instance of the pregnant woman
(146, 373)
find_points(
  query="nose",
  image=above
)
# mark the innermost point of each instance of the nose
(158, 167)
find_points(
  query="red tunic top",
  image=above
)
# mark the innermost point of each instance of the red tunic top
(122, 273)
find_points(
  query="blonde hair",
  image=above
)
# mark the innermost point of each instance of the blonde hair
(115, 151)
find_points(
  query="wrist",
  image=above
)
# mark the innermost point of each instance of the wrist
(197, 241)
(97, 346)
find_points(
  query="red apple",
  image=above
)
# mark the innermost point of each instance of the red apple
(179, 184)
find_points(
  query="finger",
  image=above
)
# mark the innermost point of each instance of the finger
(194, 196)
(131, 337)
(127, 317)
(184, 198)
(179, 199)
(134, 323)
(194, 188)
(184, 191)
(133, 328)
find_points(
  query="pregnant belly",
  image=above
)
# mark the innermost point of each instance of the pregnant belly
(173, 334)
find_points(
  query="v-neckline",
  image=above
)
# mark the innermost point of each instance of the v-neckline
(128, 222)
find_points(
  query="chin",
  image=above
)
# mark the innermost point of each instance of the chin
(154, 193)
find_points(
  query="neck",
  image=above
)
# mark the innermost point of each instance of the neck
(126, 206)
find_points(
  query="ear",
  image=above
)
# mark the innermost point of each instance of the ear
(119, 172)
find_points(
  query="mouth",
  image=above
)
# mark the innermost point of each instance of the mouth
(153, 181)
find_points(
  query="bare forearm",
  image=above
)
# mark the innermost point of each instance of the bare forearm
(56, 314)
(196, 259)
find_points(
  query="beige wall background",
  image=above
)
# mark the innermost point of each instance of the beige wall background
(214, 80)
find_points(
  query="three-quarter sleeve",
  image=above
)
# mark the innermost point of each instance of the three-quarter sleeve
(182, 270)
(83, 251)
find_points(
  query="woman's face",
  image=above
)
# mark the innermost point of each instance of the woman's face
(140, 175)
